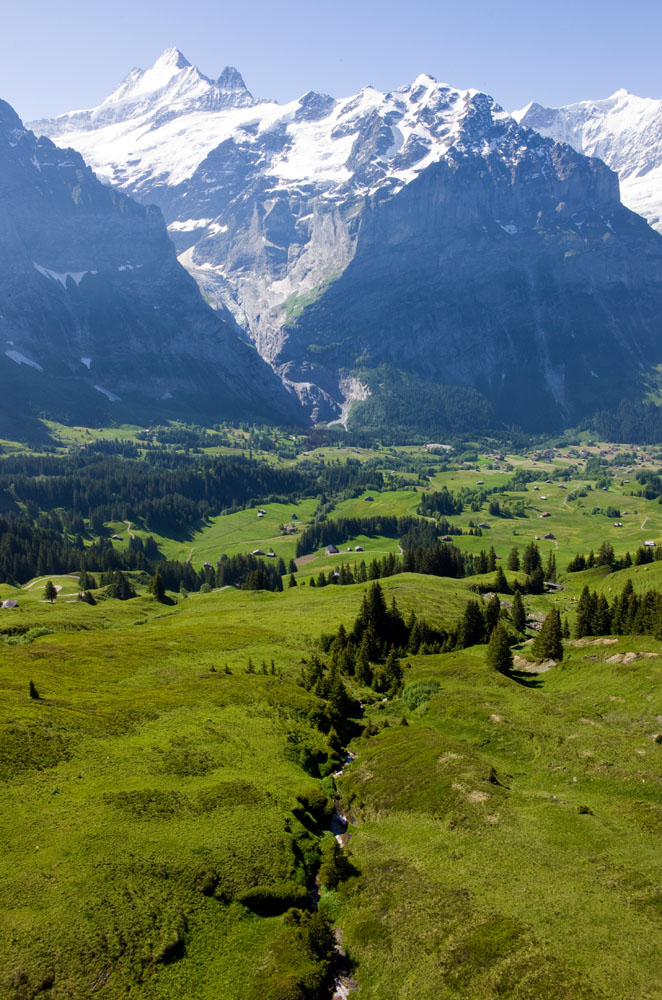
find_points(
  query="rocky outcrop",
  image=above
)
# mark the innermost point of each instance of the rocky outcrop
(623, 130)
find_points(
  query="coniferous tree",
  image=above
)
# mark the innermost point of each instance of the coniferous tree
(531, 559)
(499, 654)
(472, 627)
(293, 581)
(500, 582)
(50, 593)
(157, 587)
(535, 581)
(518, 612)
(583, 622)
(513, 559)
(492, 612)
(548, 644)
(33, 691)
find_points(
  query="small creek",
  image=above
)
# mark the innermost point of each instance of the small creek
(343, 983)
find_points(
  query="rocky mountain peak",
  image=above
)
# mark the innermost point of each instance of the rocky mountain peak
(624, 130)
(231, 79)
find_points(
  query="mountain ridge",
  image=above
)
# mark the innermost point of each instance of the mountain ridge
(276, 209)
(94, 301)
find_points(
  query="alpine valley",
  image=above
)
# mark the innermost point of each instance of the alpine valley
(419, 257)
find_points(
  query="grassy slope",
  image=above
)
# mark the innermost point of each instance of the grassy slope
(474, 889)
(141, 771)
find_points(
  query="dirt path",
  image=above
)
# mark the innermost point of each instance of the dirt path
(643, 523)
(128, 528)
(43, 579)
(188, 558)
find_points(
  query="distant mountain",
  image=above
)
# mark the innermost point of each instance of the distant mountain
(418, 253)
(96, 314)
(623, 130)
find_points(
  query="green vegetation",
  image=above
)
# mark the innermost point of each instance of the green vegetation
(171, 759)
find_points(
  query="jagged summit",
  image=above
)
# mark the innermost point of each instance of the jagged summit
(424, 229)
(231, 79)
(170, 88)
(171, 57)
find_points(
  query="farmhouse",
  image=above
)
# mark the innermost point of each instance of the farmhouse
(331, 550)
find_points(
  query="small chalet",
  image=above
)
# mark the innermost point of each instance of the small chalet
(359, 548)
(545, 513)
(331, 550)
(650, 544)
(549, 535)
(258, 552)
(11, 603)
(371, 499)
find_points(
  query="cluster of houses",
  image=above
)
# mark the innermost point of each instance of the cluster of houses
(333, 550)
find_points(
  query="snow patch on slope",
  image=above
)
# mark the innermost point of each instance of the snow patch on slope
(21, 359)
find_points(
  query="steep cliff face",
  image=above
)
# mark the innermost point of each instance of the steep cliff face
(92, 294)
(623, 130)
(423, 232)
(531, 284)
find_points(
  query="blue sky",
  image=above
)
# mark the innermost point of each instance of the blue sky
(61, 56)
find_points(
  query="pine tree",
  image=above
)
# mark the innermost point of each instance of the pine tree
(535, 581)
(518, 612)
(500, 582)
(548, 644)
(499, 655)
(33, 691)
(492, 612)
(392, 673)
(566, 628)
(293, 581)
(50, 593)
(513, 559)
(583, 622)
(472, 627)
(550, 568)
(531, 559)
(157, 587)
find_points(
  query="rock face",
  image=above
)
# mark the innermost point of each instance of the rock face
(389, 244)
(94, 304)
(624, 130)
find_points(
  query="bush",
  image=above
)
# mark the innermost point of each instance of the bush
(272, 900)
(419, 692)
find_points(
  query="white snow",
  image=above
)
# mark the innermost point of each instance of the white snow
(111, 395)
(21, 359)
(61, 276)
(188, 225)
(87, 362)
(623, 130)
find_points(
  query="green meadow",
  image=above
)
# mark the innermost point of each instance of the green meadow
(166, 797)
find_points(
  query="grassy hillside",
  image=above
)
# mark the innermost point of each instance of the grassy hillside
(168, 794)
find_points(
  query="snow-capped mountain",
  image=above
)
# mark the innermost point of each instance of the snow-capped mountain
(95, 308)
(422, 231)
(624, 130)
